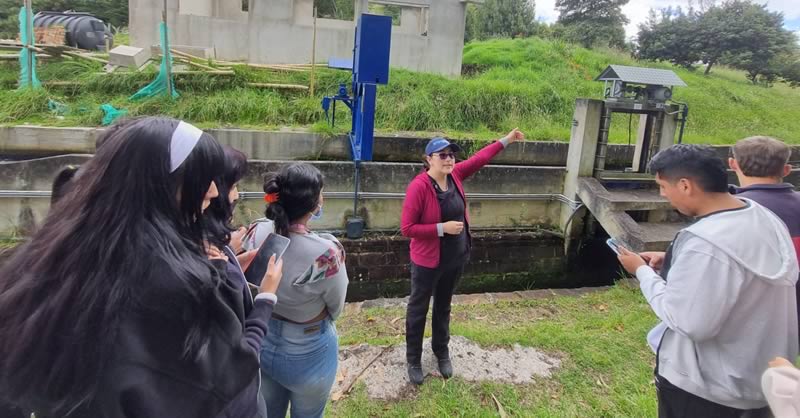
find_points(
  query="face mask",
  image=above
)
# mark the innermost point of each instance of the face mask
(317, 215)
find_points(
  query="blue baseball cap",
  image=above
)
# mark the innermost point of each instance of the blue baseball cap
(437, 144)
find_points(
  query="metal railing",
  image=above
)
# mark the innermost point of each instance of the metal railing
(349, 195)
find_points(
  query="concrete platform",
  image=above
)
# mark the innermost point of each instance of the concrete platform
(657, 234)
(637, 199)
(128, 56)
(610, 209)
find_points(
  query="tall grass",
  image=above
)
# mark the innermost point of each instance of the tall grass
(527, 83)
(22, 104)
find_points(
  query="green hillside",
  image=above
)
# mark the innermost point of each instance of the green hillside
(530, 83)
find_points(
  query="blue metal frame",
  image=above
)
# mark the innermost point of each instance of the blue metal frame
(370, 68)
(343, 97)
(363, 132)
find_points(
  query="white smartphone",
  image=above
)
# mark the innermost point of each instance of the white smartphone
(614, 245)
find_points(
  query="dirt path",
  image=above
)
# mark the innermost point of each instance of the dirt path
(383, 369)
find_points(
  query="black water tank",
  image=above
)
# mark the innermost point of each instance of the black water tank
(83, 30)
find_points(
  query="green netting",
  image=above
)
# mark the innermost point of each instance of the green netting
(159, 85)
(111, 114)
(27, 75)
(58, 108)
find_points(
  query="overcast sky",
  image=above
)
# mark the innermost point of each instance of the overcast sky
(636, 11)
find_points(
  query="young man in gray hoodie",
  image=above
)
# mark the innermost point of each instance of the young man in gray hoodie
(724, 292)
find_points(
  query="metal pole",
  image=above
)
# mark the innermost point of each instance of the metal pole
(167, 55)
(355, 189)
(313, 54)
(683, 122)
(644, 157)
(656, 141)
(549, 197)
(602, 142)
(29, 41)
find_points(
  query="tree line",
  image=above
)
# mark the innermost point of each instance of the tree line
(738, 33)
(589, 23)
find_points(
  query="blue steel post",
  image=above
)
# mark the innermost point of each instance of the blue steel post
(365, 123)
(370, 66)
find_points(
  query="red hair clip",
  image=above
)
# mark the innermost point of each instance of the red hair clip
(271, 197)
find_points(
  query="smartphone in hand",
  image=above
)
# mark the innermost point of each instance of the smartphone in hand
(274, 244)
(614, 245)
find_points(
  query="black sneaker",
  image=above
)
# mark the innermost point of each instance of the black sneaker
(446, 367)
(415, 374)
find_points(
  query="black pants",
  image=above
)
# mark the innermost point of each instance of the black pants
(439, 282)
(674, 402)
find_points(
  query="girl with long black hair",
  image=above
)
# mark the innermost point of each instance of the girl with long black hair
(223, 233)
(113, 308)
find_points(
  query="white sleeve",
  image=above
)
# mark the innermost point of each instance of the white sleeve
(702, 289)
(781, 386)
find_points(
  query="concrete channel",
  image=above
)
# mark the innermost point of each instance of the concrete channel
(516, 204)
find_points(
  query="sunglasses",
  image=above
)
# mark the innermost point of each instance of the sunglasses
(446, 155)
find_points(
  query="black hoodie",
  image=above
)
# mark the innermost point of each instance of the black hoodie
(149, 376)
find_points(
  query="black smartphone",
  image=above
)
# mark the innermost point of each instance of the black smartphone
(274, 244)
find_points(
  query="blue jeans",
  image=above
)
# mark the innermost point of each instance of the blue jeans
(298, 365)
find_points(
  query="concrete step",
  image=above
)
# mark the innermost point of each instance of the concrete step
(657, 236)
(617, 199)
(619, 176)
(609, 208)
(636, 199)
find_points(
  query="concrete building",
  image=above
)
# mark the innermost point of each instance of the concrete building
(429, 37)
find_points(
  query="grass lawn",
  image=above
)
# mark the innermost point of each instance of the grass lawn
(606, 366)
(528, 83)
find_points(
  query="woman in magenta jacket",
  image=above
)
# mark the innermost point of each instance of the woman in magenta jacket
(435, 218)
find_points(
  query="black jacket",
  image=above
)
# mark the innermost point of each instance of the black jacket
(150, 377)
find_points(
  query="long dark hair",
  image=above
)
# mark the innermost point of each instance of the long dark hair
(61, 182)
(220, 214)
(63, 179)
(127, 227)
(298, 187)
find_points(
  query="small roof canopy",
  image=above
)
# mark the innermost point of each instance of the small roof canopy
(639, 75)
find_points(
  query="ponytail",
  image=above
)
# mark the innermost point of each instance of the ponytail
(292, 194)
(275, 210)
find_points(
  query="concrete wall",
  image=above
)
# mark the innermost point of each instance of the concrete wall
(430, 36)
(528, 168)
(377, 265)
(35, 141)
(381, 213)
(21, 142)
(499, 261)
